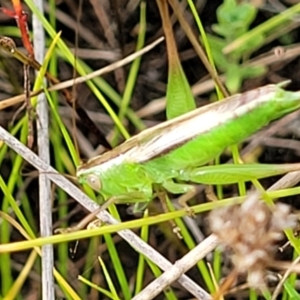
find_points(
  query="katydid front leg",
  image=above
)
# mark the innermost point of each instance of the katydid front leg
(130, 197)
(134, 197)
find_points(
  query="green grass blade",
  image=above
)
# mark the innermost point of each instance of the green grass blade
(96, 287)
(292, 292)
(109, 280)
(205, 42)
(179, 95)
(141, 263)
(134, 69)
(118, 267)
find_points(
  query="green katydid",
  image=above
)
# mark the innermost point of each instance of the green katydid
(171, 154)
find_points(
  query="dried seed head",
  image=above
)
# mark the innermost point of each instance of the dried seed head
(251, 231)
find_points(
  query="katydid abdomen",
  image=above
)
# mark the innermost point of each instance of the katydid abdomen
(178, 148)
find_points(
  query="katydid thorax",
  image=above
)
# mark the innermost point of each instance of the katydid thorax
(172, 153)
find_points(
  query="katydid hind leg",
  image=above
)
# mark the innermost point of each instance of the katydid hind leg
(233, 173)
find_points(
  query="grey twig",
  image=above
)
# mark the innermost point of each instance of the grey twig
(43, 149)
(180, 267)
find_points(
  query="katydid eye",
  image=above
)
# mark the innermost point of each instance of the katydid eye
(94, 182)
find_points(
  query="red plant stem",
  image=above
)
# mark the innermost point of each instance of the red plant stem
(21, 18)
